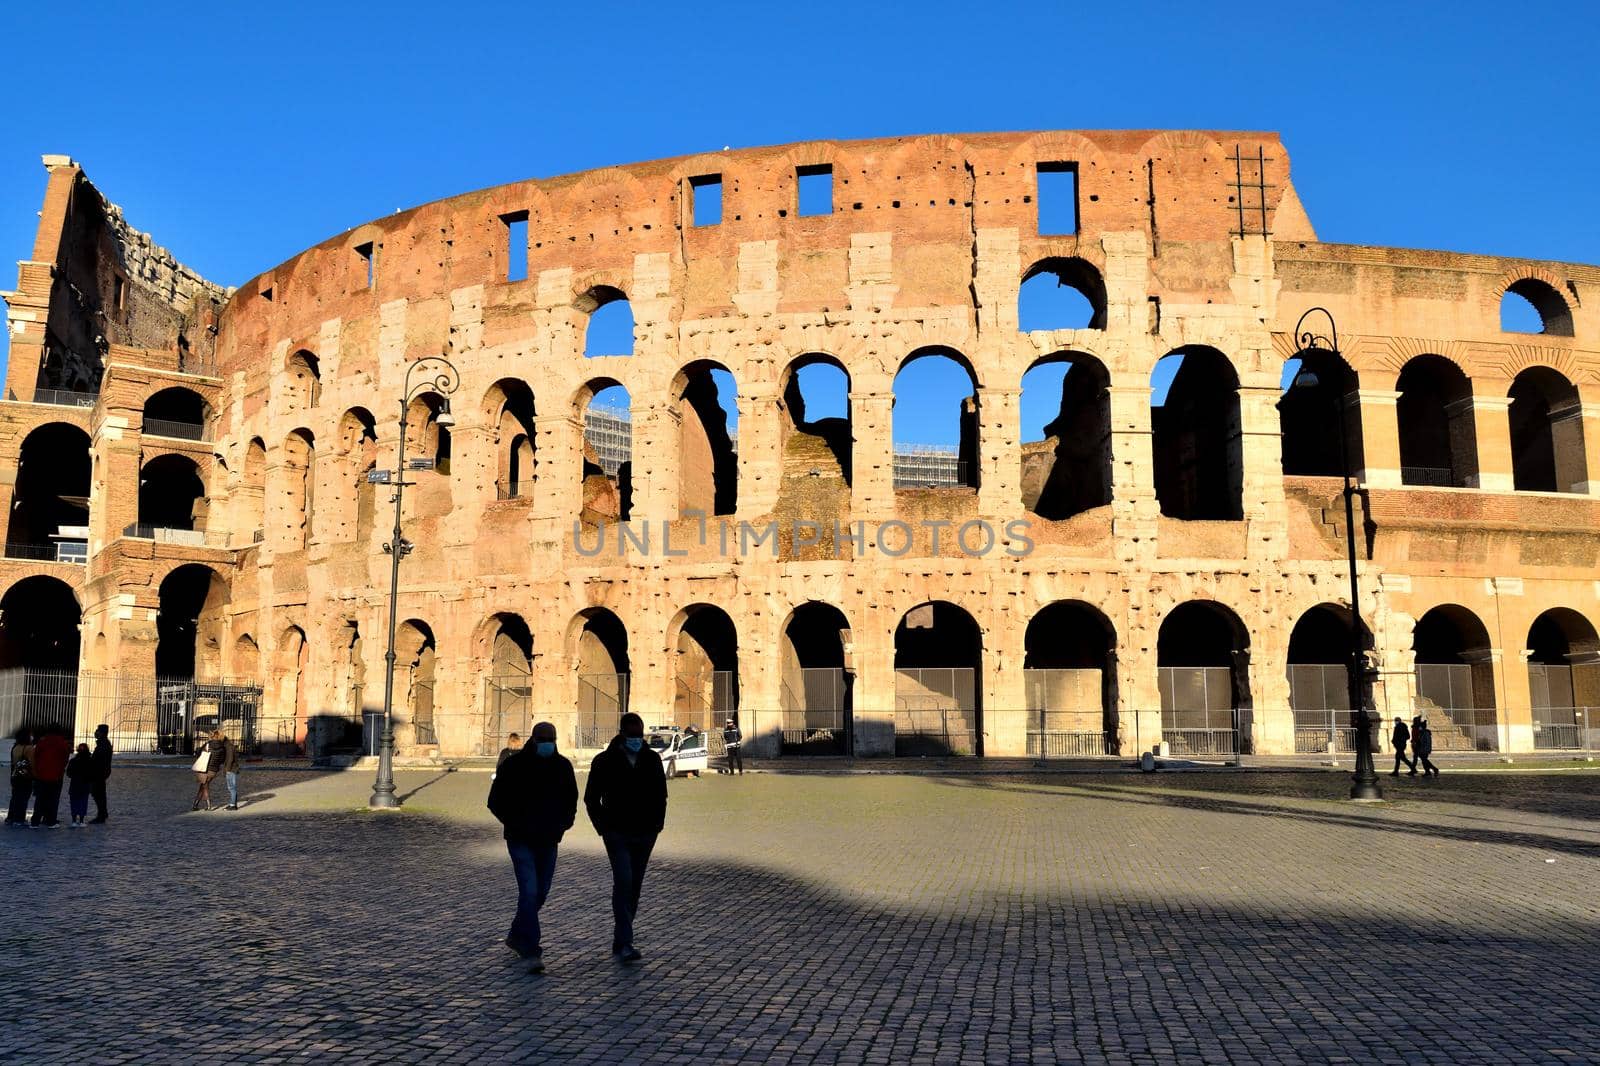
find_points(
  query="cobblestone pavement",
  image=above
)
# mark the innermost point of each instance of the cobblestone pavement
(1202, 918)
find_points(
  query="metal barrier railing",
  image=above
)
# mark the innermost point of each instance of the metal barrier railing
(1331, 731)
(161, 427)
(193, 538)
(65, 398)
(1566, 729)
(63, 551)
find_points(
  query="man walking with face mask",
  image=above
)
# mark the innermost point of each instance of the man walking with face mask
(535, 796)
(627, 801)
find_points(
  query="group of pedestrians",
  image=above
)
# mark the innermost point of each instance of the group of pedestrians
(535, 796)
(42, 762)
(1420, 738)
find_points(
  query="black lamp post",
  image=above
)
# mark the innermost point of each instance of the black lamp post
(444, 383)
(1364, 782)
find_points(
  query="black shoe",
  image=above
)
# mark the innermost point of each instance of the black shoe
(231, 807)
(520, 948)
(628, 956)
(1412, 774)
(536, 963)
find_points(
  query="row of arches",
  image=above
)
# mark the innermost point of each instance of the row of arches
(1069, 664)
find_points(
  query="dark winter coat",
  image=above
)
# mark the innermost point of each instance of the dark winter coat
(81, 774)
(1422, 742)
(629, 800)
(230, 756)
(535, 797)
(1401, 736)
(102, 758)
(731, 737)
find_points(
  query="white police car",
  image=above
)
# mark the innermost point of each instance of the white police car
(681, 751)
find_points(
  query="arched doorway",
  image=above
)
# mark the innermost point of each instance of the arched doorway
(1438, 434)
(706, 404)
(1319, 680)
(815, 685)
(172, 497)
(607, 470)
(1546, 433)
(601, 653)
(1564, 680)
(1455, 679)
(50, 503)
(39, 653)
(507, 645)
(1066, 436)
(416, 657)
(1070, 677)
(935, 421)
(1203, 666)
(1196, 436)
(1321, 398)
(938, 662)
(704, 647)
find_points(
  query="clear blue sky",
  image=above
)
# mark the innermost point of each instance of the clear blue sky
(240, 134)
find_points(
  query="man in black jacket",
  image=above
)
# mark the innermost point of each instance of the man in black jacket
(627, 802)
(535, 796)
(102, 771)
(1399, 738)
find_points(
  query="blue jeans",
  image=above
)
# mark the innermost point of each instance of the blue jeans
(629, 856)
(233, 789)
(535, 867)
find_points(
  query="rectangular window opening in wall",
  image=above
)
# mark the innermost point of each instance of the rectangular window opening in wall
(816, 189)
(1058, 198)
(119, 293)
(705, 199)
(516, 225)
(370, 262)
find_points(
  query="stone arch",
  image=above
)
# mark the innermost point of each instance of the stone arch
(291, 669)
(604, 408)
(1547, 446)
(172, 495)
(244, 664)
(1438, 433)
(1321, 398)
(1545, 296)
(1068, 471)
(176, 412)
(303, 388)
(1455, 678)
(1203, 670)
(598, 645)
(938, 664)
(822, 444)
(703, 647)
(1039, 306)
(299, 482)
(508, 408)
(428, 430)
(708, 464)
(932, 464)
(189, 621)
(353, 510)
(1069, 673)
(254, 496)
(51, 491)
(609, 327)
(40, 620)
(1318, 661)
(1197, 437)
(816, 682)
(417, 654)
(503, 650)
(1563, 677)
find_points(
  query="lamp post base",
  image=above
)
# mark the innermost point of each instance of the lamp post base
(383, 797)
(383, 801)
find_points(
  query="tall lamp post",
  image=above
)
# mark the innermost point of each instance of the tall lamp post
(444, 382)
(1364, 781)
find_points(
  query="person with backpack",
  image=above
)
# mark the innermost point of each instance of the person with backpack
(1398, 740)
(50, 757)
(21, 776)
(102, 771)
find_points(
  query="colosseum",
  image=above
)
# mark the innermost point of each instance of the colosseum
(652, 462)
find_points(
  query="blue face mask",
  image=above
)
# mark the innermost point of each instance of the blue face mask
(546, 748)
(633, 743)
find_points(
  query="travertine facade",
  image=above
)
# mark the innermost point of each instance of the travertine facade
(1475, 448)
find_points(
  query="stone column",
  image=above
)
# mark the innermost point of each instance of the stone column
(1591, 448)
(1380, 439)
(1492, 428)
(1138, 686)
(1262, 501)
(655, 457)
(999, 454)
(872, 656)
(872, 464)
(1134, 508)
(1005, 725)
(558, 488)
(760, 451)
